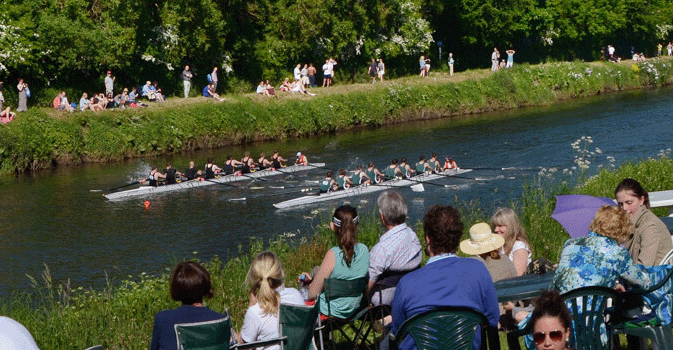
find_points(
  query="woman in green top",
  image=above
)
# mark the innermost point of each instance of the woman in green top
(422, 166)
(405, 168)
(374, 174)
(348, 261)
(393, 170)
(327, 183)
(433, 163)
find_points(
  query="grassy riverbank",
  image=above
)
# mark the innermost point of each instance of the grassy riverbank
(120, 315)
(43, 138)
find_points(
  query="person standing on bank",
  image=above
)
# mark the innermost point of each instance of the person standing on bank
(109, 83)
(451, 64)
(510, 58)
(382, 69)
(373, 70)
(23, 96)
(186, 80)
(495, 57)
(213, 78)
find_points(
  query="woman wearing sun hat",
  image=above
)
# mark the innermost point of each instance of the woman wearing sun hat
(485, 245)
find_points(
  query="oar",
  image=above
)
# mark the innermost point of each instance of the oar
(303, 190)
(319, 167)
(218, 183)
(506, 168)
(116, 188)
(255, 178)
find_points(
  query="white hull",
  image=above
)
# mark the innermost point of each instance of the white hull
(145, 190)
(360, 190)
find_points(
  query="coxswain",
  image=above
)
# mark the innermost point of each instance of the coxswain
(434, 163)
(327, 184)
(374, 174)
(405, 168)
(263, 163)
(276, 159)
(450, 163)
(192, 173)
(171, 173)
(211, 169)
(359, 177)
(301, 159)
(154, 177)
(230, 165)
(248, 163)
(393, 170)
(343, 181)
(422, 166)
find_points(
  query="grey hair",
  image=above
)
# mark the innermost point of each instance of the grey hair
(393, 207)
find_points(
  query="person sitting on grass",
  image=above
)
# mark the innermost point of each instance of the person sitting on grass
(286, 85)
(261, 89)
(270, 89)
(157, 92)
(7, 115)
(297, 86)
(61, 103)
(84, 102)
(267, 291)
(189, 284)
(148, 91)
(209, 92)
(133, 96)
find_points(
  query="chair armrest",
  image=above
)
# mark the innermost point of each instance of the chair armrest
(513, 338)
(259, 344)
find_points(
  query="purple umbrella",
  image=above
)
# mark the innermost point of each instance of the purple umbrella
(575, 211)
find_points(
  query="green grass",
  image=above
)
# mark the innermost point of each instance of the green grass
(120, 315)
(43, 138)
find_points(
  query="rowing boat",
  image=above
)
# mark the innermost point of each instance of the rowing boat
(360, 190)
(145, 190)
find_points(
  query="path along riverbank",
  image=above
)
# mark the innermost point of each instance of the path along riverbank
(42, 138)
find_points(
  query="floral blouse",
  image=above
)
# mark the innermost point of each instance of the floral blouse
(596, 260)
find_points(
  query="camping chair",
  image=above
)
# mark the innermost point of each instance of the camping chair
(447, 327)
(337, 288)
(661, 336)
(209, 335)
(386, 280)
(591, 308)
(297, 324)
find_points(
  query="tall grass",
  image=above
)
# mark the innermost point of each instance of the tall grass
(41, 137)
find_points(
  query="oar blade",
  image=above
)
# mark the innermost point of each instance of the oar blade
(418, 188)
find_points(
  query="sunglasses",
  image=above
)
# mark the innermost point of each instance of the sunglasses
(555, 336)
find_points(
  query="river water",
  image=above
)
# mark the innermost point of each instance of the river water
(53, 219)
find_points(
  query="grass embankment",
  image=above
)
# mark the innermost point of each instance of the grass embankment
(120, 316)
(42, 138)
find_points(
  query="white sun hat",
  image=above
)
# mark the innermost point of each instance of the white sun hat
(482, 240)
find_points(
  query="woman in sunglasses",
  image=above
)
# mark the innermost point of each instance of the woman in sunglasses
(551, 322)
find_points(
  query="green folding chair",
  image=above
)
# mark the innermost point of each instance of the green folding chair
(447, 328)
(297, 325)
(337, 288)
(209, 335)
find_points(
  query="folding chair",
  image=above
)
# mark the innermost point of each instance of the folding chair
(209, 335)
(337, 288)
(297, 325)
(447, 327)
(592, 308)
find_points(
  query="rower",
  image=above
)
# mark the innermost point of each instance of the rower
(230, 165)
(343, 181)
(405, 168)
(327, 184)
(422, 166)
(170, 174)
(248, 163)
(393, 170)
(276, 159)
(434, 163)
(211, 169)
(359, 177)
(192, 173)
(301, 159)
(450, 164)
(263, 163)
(374, 174)
(154, 177)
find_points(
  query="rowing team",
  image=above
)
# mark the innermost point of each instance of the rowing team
(232, 166)
(372, 175)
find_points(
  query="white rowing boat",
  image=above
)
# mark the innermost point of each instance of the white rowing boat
(360, 190)
(145, 190)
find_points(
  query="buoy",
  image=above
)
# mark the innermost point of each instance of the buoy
(147, 204)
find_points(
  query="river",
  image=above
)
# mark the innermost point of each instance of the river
(53, 219)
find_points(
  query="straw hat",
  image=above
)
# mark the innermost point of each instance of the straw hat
(482, 240)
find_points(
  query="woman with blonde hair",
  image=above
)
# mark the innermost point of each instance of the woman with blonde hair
(506, 223)
(267, 291)
(348, 261)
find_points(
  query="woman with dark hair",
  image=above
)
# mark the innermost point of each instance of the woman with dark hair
(551, 322)
(348, 261)
(651, 240)
(190, 284)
